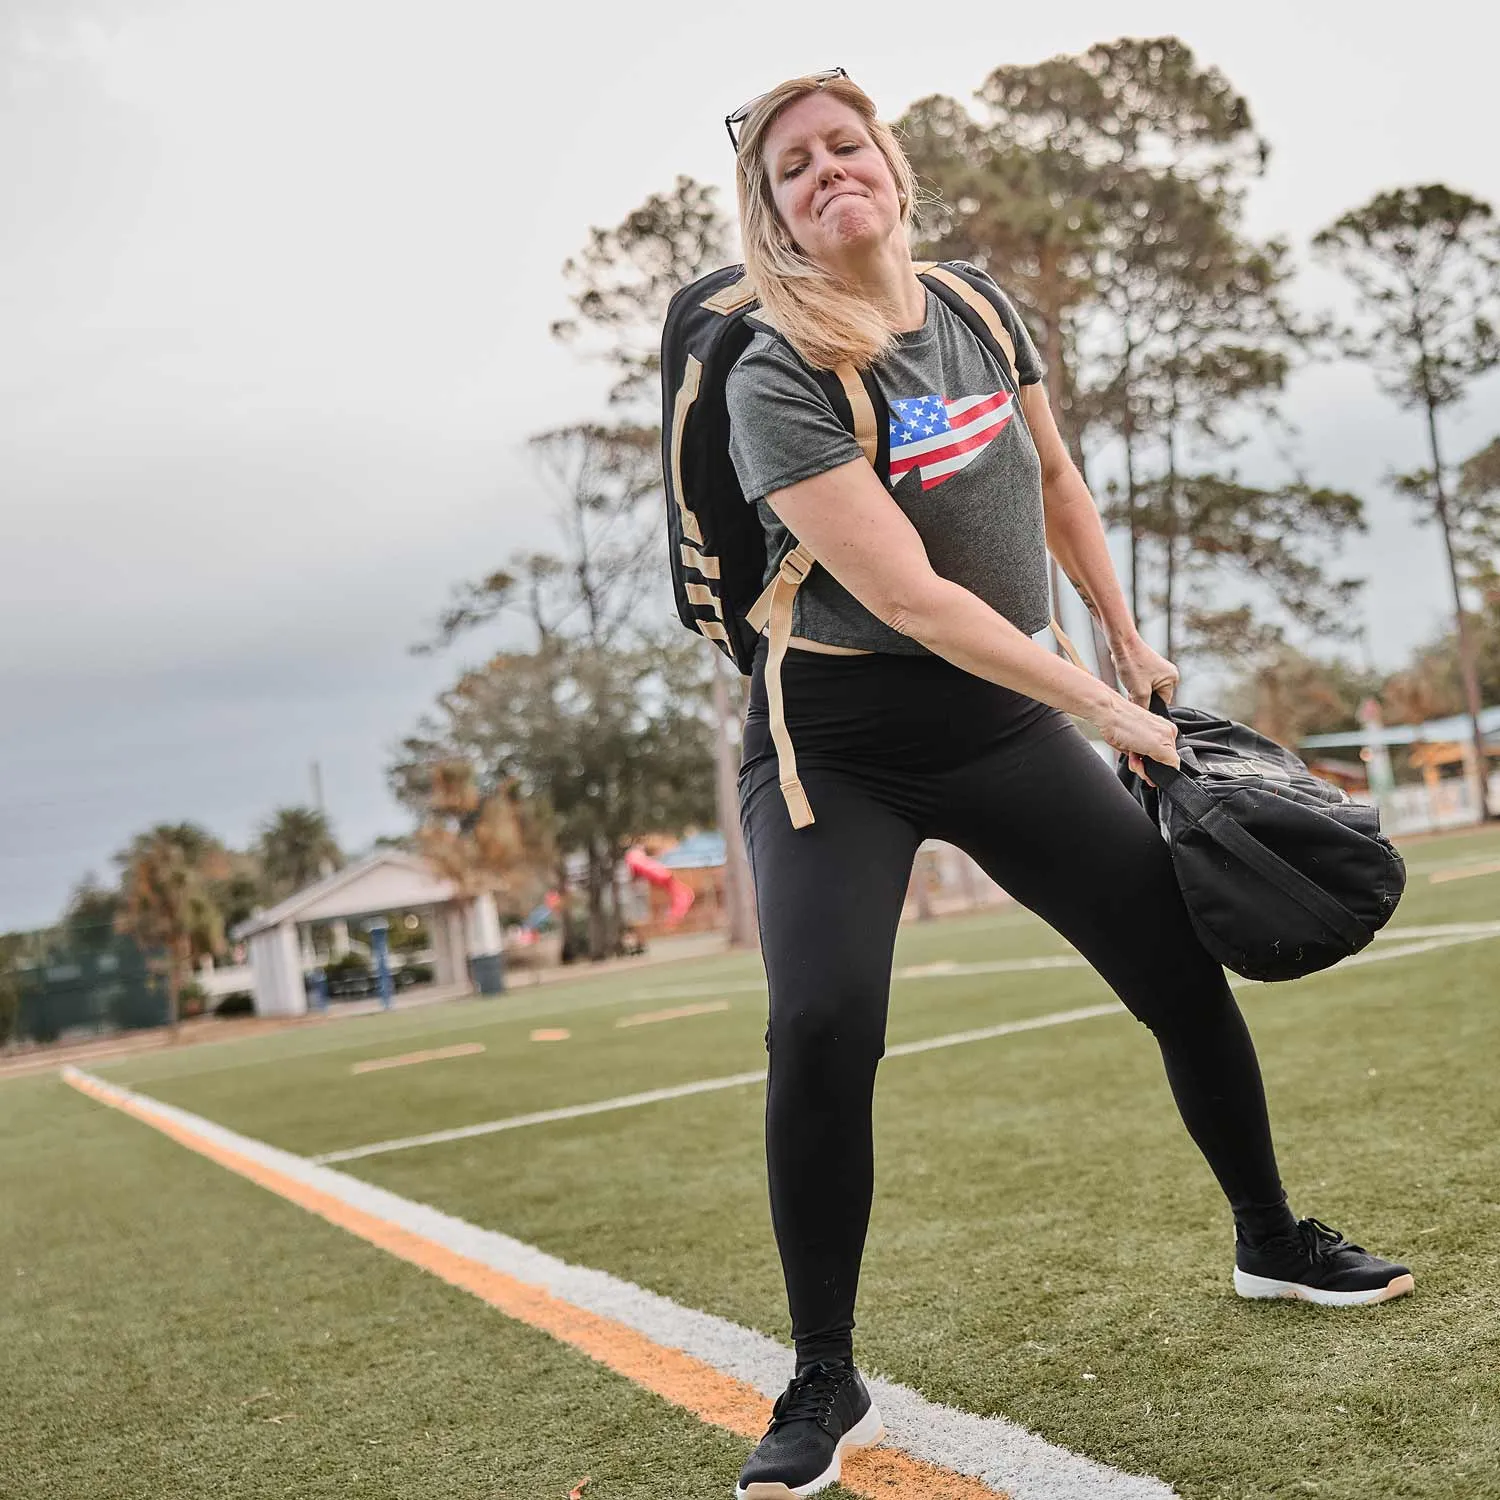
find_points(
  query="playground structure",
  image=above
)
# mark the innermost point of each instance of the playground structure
(680, 895)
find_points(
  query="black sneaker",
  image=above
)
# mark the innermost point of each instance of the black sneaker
(824, 1411)
(1317, 1264)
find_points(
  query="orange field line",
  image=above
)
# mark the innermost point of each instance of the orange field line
(677, 1013)
(709, 1394)
(406, 1059)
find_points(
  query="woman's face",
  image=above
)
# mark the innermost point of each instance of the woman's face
(831, 186)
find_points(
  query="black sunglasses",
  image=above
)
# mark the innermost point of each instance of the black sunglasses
(743, 113)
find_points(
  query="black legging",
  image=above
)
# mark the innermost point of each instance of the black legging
(893, 750)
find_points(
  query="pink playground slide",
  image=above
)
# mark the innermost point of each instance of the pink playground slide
(653, 872)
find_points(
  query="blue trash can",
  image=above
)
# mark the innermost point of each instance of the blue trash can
(488, 973)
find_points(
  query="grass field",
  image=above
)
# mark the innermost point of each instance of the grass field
(1046, 1244)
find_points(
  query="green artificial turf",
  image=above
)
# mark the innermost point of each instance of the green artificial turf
(1040, 1216)
(171, 1332)
(297, 1091)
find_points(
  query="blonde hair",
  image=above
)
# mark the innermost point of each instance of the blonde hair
(823, 318)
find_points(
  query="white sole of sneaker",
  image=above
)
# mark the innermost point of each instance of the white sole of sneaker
(1266, 1287)
(864, 1434)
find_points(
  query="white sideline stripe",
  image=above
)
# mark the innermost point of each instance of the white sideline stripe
(1481, 931)
(1001, 1453)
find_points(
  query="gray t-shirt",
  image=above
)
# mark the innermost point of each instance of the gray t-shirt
(963, 468)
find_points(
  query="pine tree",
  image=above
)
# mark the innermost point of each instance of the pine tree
(1425, 266)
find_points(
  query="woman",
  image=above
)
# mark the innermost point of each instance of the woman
(920, 707)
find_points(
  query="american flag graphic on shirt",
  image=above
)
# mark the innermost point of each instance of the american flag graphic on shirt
(938, 437)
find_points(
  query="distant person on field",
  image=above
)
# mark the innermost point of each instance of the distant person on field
(921, 708)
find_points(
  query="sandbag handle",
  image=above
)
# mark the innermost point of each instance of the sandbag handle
(1203, 810)
(1162, 775)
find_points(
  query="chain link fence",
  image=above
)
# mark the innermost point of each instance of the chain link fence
(90, 982)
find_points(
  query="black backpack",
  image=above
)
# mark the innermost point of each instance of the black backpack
(1282, 874)
(715, 541)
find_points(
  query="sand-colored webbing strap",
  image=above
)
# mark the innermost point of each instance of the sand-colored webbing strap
(1069, 649)
(774, 608)
(687, 393)
(705, 562)
(981, 305)
(731, 298)
(864, 412)
(700, 593)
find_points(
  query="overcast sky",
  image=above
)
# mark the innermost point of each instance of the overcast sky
(275, 284)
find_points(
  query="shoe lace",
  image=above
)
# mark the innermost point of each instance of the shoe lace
(1323, 1242)
(811, 1395)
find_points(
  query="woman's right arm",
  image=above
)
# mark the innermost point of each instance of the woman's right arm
(849, 522)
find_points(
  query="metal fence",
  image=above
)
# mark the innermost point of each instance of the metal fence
(92, 982)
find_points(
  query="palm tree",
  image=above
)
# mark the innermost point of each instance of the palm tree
(296, 847)
(166, 905)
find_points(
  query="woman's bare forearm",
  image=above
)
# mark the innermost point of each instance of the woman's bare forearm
(961, 628)
(1075, 537)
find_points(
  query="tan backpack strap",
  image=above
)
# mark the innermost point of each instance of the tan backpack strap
(865, 433)
(731, 298)
(1068, 648)
(774, 608)
(980, 303)
(687, 393)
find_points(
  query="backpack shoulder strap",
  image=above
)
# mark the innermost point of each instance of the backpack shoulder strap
(975, 297)
(845, 388)
(976, 300)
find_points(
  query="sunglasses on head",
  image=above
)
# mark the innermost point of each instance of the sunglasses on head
(733, 121)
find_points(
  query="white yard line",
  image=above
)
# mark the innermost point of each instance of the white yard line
(544, 1117)
(943, 968)
(1000, 1453)
(1443, 938)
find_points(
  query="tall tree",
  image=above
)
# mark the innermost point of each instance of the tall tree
(1062, 169)
(607, 743)
(1430, 684)
(1105, 190)
(1281, 541)
(89, 921)
(1215, 356)
(482, 834)
(1476, 518)
(165, 903)
(621, 283)
(1425, 266)
(1288, 694)
(605, 582)
(623, 278)
(296, 847)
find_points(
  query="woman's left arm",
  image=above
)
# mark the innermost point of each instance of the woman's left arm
(1075, 537)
